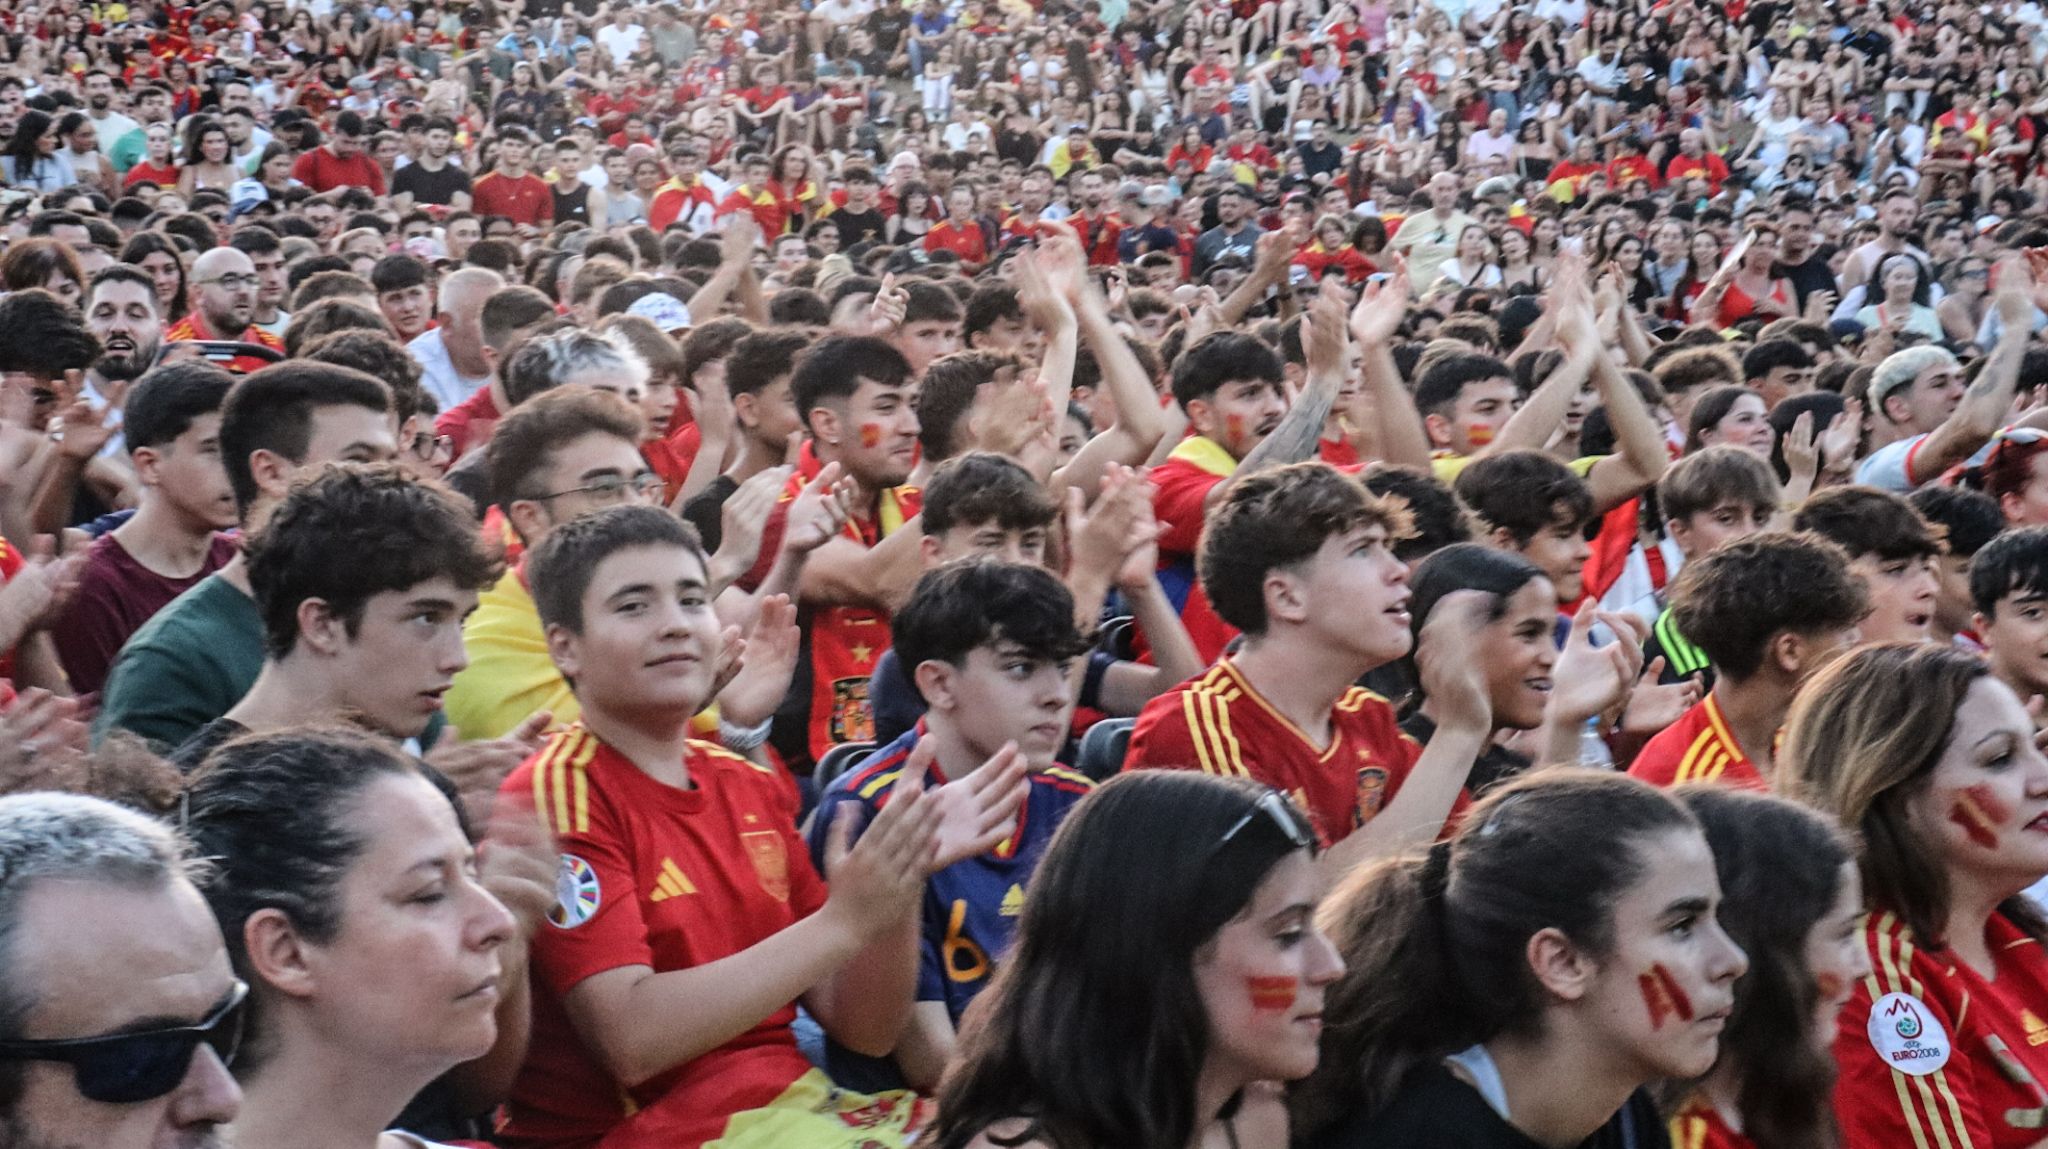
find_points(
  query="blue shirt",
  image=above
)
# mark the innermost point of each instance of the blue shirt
(970, 907)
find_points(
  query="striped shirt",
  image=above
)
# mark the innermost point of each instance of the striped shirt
(1698, 747)
(1218, 723)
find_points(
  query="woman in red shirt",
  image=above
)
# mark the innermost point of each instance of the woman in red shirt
(1930, 760)
(156, 164)
(1791, 898)
(1191, 150)
(793, 187)
(1748, 289)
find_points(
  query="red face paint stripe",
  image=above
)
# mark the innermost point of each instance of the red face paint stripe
(1829, 986)
(870, 435)
(1969, 813)
(1653, 997)
(1681, 1004)
(1272, 992)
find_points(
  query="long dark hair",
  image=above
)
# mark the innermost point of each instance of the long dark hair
(1460, 566)
(195, 140)
(1780, 866)
(1435, 944)
(21, 146)
(144, 244)
(1093, 1031)
(269, 811)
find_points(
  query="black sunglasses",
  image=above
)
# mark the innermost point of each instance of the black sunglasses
(127, 1068)
(1271, 806)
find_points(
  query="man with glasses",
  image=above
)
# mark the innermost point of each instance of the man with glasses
(225, 308)
(341, 161)
(122, 1012)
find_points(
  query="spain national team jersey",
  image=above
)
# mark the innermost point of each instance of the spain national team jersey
(1216, 722)
(667, 878)
(1697, 748)
(1180, 486)
(1698, 1125)
(971, 907)
(1931, 1053)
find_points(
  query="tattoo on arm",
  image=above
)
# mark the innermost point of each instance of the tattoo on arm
(1296, 437)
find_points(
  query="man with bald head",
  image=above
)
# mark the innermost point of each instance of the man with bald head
(1694, 161)
(1429, 238)
(451, 353)
(224, 308)
(107, 947)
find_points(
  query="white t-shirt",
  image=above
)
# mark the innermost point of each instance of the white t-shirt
(621, 42)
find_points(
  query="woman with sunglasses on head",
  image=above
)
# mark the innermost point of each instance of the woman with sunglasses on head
(2015, 472)
(1155, 1013)
(1919, 750)
(1520, 984)
(350, 900)
(1793, 901)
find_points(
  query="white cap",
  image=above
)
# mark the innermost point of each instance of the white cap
(667, 312)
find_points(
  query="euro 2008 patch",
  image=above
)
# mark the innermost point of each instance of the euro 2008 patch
(576, 893)
(1907, 1036)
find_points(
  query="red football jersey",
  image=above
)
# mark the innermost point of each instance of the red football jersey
(1697, 748)
(656, 876)
(1698, 1125)
(1931, 1053)
(1218, 723)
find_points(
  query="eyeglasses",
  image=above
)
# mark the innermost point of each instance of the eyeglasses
(233, 282)
(613, 488)
(1273, 805)
(126, 1068)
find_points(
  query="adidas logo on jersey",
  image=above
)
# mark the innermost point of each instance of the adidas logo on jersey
(672, 883)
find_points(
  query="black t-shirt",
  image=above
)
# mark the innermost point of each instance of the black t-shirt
(1320, 160)
(859, 226)
(430, 187)
(1495, 765)
(1807, 278)
(192, 751)
(886, 24)
(703, 510)
(1435, 1110)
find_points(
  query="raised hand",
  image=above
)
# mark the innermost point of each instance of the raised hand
(516, 861)
(1838, 440)
(1653, 705)
(1589, 680)
(1451, 660)
(819, 512)
(43, 744)
(976, 812)
(1381, 307)
(478, 768)
(1323, 334)
(744, 517)
(766, 662)
(1802, 450)
(890, 304)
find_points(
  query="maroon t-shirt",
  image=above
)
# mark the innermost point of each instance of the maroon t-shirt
(116, 595)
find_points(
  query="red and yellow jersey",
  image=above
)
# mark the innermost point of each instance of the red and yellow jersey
(965, 240)
(1698, 1125)
(846, 642)
(193, 327)
(1931, 1053)
(1698, 747)
(1180, 489)
(766, 208)
(667, 878)
(1218, 723)
(676, 200)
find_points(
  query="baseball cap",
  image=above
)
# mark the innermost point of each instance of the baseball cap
(665, 310)
(1156, 197)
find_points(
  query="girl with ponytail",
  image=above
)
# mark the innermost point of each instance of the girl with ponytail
(1520, 984)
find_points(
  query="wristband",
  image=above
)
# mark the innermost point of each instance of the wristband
(741, 739)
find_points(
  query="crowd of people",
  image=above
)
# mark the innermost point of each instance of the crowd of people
(1350, 574)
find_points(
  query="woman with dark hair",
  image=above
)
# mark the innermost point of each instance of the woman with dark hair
(1792, 899)
(1899, 298)
(1930, 759)
(158, 256)
(1732, 415)
(1531, 684)
(1749, 288)
(913, 216)
(208, 160)
(353, 908)
(82, 149)
(34, 157)
(1523, 982)
(1150, 1014)
(43, 263)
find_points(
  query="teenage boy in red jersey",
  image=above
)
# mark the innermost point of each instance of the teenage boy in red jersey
(1769, 610)
(1230, 386)
(853, 394)
(1299, 559)
(690, 919)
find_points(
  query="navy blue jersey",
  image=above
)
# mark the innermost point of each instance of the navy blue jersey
(970, 908)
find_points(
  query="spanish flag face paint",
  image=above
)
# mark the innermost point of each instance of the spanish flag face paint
(1664, 996)
(1479, 434)
(1272, 994)
(1979, 812)
(870, 435)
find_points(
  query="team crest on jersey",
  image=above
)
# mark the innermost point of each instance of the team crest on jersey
(1372, 792)
(852, 719)
(577, 895)
(770, 856)
(1907, 1036)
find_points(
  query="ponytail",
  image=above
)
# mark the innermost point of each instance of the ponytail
(1435, 944)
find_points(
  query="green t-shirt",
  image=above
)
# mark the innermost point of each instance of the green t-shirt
(188, 665)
